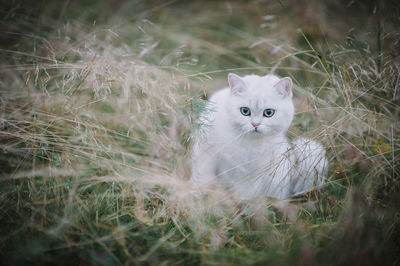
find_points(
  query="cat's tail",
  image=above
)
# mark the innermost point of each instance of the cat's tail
(311, 166)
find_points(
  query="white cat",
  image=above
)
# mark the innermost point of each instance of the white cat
(243, 144)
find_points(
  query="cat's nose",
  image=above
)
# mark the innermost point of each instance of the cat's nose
(255, 125)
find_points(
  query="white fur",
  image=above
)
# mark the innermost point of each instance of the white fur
(250, 162)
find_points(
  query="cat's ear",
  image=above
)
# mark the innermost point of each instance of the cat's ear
(236, 83)
(284, 87)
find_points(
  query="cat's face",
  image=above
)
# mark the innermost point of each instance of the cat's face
(260, 106)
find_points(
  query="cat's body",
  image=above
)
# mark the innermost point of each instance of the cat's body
(244, 146)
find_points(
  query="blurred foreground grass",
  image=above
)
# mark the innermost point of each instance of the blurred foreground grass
(98, 102)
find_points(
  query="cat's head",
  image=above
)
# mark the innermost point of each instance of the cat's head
(260, 106)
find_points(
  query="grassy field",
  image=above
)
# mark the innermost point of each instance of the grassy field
(99, 100)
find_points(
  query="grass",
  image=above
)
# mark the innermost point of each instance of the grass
(98, 108)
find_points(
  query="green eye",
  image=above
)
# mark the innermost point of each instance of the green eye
(269, 112)
(245, 111)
